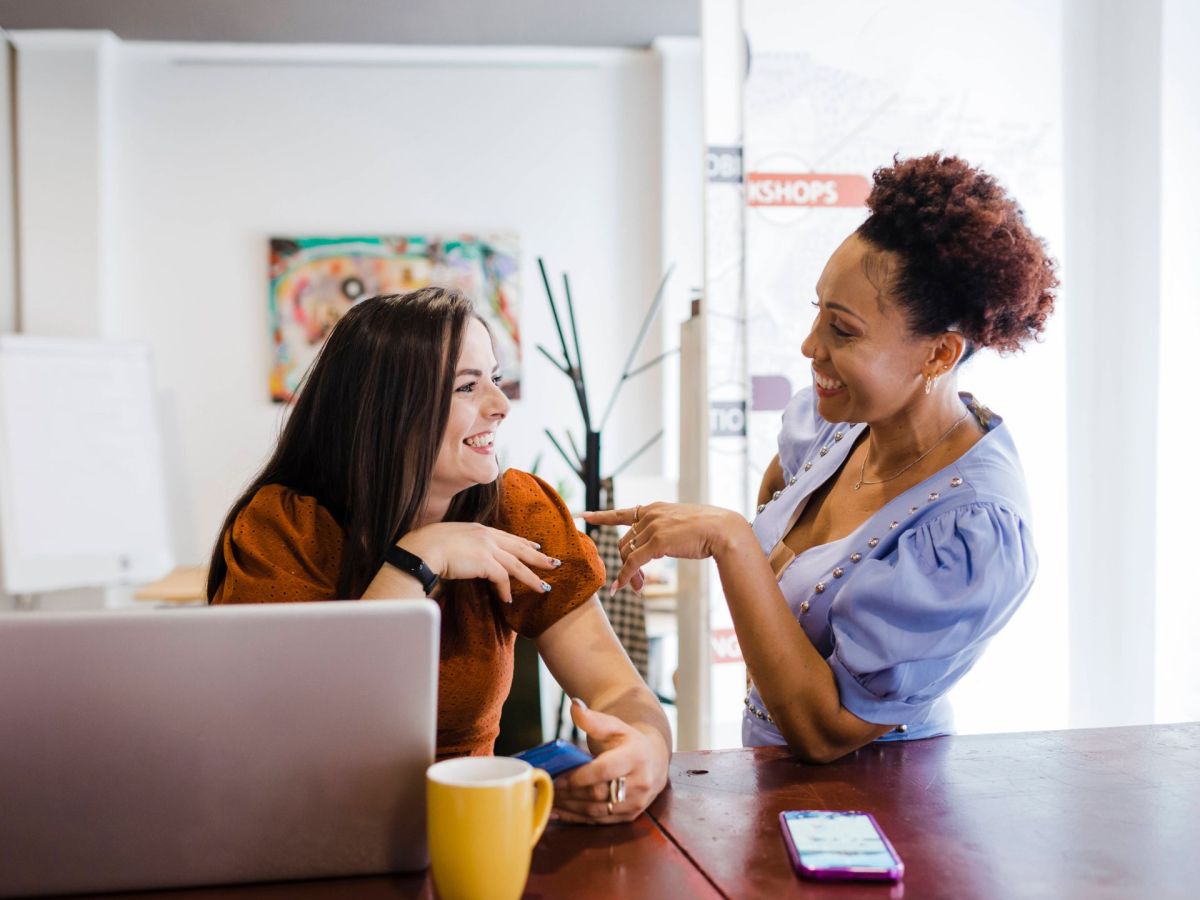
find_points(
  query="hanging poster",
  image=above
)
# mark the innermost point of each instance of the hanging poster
(315, 280)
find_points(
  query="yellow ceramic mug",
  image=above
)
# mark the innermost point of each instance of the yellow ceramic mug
(485, 815)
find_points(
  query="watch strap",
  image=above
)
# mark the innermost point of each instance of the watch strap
(414, 566)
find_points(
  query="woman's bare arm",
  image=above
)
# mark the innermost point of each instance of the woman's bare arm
(627, 728)
(795, 682)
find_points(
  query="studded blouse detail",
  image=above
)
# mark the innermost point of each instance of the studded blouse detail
(904, 605)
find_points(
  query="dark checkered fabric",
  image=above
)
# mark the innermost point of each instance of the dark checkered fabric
(625, 609)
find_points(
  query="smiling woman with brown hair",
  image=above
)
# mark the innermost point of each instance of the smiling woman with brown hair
(385, 484)
(892, 538)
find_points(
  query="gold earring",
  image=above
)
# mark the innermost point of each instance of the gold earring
(930, 381)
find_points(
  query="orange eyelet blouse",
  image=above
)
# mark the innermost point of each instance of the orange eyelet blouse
(285, 547)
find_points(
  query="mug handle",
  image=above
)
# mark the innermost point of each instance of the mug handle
(543, 799)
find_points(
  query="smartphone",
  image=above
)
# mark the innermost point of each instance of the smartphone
(555, 757)
(838, 846)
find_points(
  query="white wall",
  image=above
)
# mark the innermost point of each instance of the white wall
(215, 148)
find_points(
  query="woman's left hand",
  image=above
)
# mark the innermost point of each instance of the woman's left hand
(679, 530)
(583, 795)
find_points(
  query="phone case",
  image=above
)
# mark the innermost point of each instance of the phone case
(555, 757)
(842, 874)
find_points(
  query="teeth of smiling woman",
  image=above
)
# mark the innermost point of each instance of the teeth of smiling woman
(480, 440)
(827, 383)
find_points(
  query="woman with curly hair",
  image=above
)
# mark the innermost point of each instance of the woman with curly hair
(892, 537)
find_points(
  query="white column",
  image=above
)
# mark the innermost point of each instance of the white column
(694, 675)
(1112, 60)
(682, 213)
(1177, 612)
(716, 687)
(8, 247)
(63, 110)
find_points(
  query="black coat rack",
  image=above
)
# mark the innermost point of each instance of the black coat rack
(586, 465)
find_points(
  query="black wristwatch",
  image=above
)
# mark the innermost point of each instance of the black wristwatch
(414, 566)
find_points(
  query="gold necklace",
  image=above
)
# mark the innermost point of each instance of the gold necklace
(863, 468)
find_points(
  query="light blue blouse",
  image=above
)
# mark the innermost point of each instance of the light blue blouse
(904, 606)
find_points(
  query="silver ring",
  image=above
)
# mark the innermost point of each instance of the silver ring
(616, 792)
(637, 514)
(633, 543)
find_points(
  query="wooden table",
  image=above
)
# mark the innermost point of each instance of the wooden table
(1098, 813)
(1106, 813)
(575, 861)
(183, 584)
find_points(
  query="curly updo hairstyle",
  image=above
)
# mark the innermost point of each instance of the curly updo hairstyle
(967, 259)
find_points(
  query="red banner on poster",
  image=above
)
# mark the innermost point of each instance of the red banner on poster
(805, 189)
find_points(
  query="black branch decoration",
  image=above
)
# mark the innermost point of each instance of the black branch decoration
(586, 464)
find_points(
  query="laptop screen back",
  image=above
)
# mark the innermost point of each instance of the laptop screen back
(213, 745)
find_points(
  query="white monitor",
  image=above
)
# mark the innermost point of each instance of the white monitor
(82, 488)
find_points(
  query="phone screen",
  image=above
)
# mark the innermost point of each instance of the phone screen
(838, 840)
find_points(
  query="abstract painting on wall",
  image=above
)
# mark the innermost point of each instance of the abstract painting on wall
(315, 280)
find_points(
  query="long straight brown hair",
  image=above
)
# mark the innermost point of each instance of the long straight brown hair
(364, 433)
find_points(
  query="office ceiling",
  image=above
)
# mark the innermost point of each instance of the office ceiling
(569, 23)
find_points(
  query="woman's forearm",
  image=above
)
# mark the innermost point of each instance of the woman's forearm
(793, 679)
(392, 584)
(585, 657)
(639, 708)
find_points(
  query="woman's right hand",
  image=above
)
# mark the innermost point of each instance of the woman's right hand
(456, 550)
(677, 530)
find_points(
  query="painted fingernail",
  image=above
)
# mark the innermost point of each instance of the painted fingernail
(545, 588)
(536, 545)
(612, 589)
(556, 562)
(578, 702)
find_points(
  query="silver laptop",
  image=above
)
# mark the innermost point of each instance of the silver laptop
(161, 748)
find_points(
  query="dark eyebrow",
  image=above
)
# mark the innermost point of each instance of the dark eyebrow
(475, 373)
(845, 309)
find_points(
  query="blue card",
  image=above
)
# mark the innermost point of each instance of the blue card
(555, 757)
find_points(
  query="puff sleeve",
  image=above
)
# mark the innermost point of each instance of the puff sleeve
(283, 547)
(533, 510)
(802, 426)
(909, 625)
